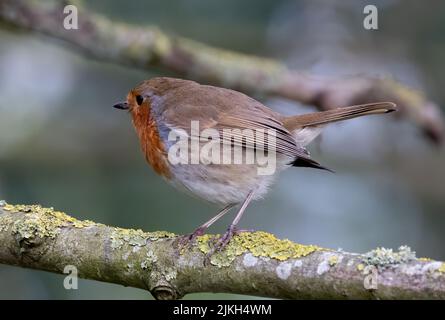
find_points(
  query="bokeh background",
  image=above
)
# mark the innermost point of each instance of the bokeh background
(62, 145)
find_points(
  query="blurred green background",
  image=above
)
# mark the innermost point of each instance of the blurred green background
(62, 145)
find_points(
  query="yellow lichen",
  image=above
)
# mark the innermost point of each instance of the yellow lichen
(156, 235)
(442, 268)
(84, 223)
(360, 267)
(40, 221)
(333, 260)
(412, 98)
(260, 244)
(424, 259)
(162, 44)
(46, 222)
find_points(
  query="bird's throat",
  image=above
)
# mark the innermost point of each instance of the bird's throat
(151, 144)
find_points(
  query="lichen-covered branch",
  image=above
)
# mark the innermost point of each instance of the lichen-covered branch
(148, 47)
(254, 263)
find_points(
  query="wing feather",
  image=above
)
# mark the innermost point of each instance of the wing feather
(224, 109)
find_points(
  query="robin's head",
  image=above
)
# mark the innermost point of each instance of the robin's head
(146, 93)
(144, 102)
(137, 100)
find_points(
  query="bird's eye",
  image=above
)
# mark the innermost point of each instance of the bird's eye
(139, 99)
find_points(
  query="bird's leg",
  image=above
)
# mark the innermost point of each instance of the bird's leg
(232, 230)
(202, 228)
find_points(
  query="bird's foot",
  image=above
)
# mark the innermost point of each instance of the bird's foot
(223, 241)
(187, 240)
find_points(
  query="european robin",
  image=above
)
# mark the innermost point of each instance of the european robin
(165, 107)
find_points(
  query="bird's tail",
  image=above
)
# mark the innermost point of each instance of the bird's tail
(319, 118)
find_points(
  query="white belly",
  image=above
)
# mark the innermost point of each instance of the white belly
(223, 184)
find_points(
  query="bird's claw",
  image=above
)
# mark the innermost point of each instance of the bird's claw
(188, 239)
(222, 242)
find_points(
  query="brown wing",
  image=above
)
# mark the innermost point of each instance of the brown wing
(221, 109)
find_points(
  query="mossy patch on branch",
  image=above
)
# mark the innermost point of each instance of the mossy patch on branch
(46, 222)
(259, 244)
(133, 237)
(5, 222)
(383, 257)
(38, 221)
(333, 260)
(58, 218)
(425, 259)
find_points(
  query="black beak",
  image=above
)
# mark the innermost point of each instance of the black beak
(121, 105)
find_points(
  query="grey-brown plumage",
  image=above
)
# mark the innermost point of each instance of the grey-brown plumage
(160, 106)
(220, 108)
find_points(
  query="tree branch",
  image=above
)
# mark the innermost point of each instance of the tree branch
(253, 263)
(147, 47)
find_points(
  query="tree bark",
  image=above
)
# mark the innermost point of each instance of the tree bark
(148, 47)
(254, 263)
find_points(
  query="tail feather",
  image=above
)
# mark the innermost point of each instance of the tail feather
(308, 163)
(318, 118)
(307, 126)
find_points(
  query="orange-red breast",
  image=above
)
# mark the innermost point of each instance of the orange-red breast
(161, 107)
